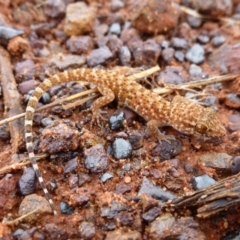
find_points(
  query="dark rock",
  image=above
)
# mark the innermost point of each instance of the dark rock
(116, 120)
(188, 168)
(83, 178)
(179, 55)
(80, 45)
(114, 43)
(201, 182)
(24, 71)
(179, 43)
(151, 214)
(27, 182)
(65, 208)
(46, 121)
(136, 140)
(122, 188)
(54, 8)
(96, 158)
(110, 212)
(124, 218)
(233, 100)
(70, 166)
(4, 132)
(55, 232)
(87, 230)
(167, 54)
(80, 197)
(124, 56)
(167, 150)
(196, 54)
(147, 187)
(59, 136)
(99, 56)
(106, 176)
(122, 149)
(73, 181)
(110, 226)
(235, 165)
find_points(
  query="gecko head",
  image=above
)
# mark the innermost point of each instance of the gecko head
(209, 125)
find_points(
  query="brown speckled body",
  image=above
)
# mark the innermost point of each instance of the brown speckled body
(182, 114)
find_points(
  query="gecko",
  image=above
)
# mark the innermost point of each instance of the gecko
(181, 113)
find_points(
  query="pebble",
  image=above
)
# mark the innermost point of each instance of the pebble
(32, 202)
(73, 181)
(71, 165)
(59, 136)
(46, 121)
(147, 16)
(80, 19)
(6, 33)
(179, 55)
(80, 198)
(194, 22)
(27, 86)
(124, 56)
(136, 140)
(114, 43)
(99, 56)
(66, 61)
(195, 72)
(188, 168)
(83, 178)
(122, 188)
(196, 54)
(115, 28)
(167, 54)
(80, 45)
(151, 214)
(121, 234)
(4, 132)
(211, 100)
(55, 231)
(171, 75)
(233, 100)
(220, 161)
(116, 120)
(24, 71)
(124, 218)
(27, 182)
(146, 53)
(96, 159)
(179, 43)
(165, 44)
(116, 5)
(166, 150)
(235, 122)
(218, 41)
(122, 149)
(147, 187)
(87, 230)
(54, 8)
(235, 165)
(66, 209)
(106, 176)
(204, 39)
(202, 181)
(115, 207)
(46, 98)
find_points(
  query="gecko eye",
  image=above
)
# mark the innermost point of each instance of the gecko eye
(200, 128)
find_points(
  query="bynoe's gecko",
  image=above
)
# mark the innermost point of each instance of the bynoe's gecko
(182, 114)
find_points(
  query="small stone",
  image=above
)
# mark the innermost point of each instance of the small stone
(46, 121)
(27, 86)
(80, 45)
(167, 54)
(235, 165)
(54, 8)
(235, 122)
(115, 28)
(99, 56)
(179, 43)
(233, 100)
(122, 188)
(4, 132)
(193, 21)
(56, 232)
(204, 39)
(196, 54)
(201, 182)
(114, 43)
(124, 56)
(73, 181)
(116, 5)
(96, 159)
(151, 214)
(136, 140)
(195, 72)
(179, 55)
(188, 168)
(24, 71)
(218, 41)
(80, 19)
(116, 120)
(120, 234)
(70, 166)
(27, 182)
(66, 208)
(110, 212)
(124, 218)
(106, 176)
(83, 178)
(122, 149)
(32, 202)
(6, 33)
(167, 150)
(165, 44)
(147, 187)
(87, 230)
(211, 100)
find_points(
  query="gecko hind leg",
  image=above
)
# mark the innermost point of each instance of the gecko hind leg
(152, 129)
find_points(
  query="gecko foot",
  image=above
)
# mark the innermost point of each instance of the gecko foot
(97, 117)
(167, 138)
